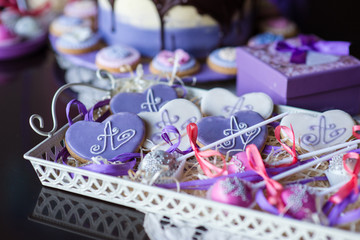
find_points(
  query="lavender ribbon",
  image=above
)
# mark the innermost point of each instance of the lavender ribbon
(334, 212)
(115, 167)
(88, 115)
(312, 43)
(119, 165)
(250, 176)
(266, 206)
(173, 147)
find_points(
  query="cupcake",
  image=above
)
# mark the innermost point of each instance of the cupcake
(78, 41)
(223, 60)
(64, 24)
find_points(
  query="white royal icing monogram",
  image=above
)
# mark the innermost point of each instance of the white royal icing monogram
(222, 102)
(313, 132)
(151, 102)
(236, 127)
(322, 133)
(111, 136)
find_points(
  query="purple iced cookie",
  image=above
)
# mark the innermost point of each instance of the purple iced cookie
(214, 128)
(231, 190)
(119, 133)
(299, 202)
(149, 101)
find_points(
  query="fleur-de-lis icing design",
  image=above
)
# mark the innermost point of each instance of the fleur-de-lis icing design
(323, 133)
(166, 119)
(234, 128)
(239, 105)
(112, 136)
(151, 102)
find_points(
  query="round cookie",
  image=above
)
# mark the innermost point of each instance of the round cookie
(78, 41)
(82, 9)
(7, 37)
(114, 58)
(279, 26)
(223, 60)
(164, 63)
(64, 24)
(263, 39)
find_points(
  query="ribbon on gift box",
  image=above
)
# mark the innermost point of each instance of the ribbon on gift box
(312, 43)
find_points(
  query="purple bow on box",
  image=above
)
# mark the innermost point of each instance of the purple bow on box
(312, 43)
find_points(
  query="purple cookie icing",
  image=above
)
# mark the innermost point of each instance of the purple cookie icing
(149, 101)
(213, 128)
(119, 133)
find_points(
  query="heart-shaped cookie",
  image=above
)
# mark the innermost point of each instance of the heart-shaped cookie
(222, 102)
(213, 128)
(119, 133)
(149, 101)
(317, 131)
(178, 113)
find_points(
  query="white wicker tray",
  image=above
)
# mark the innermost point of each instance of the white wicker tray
(196, 210)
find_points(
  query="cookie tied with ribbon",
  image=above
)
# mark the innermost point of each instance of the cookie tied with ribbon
(118, 134)
(214, 128)
(314, 132)
(150, 100)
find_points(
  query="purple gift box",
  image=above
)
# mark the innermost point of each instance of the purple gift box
(325, 81)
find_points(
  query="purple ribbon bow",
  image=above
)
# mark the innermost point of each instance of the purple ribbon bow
(119, 165)
(312, 43)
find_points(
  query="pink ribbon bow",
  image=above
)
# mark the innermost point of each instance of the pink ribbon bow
(352, 184)
(205, 165)
(273, 187)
